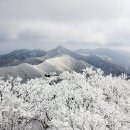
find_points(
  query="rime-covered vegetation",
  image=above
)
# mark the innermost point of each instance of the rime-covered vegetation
(70, 101)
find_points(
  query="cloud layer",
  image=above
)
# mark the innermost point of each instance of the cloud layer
(72, 23)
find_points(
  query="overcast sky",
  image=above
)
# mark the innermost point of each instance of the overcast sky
(74, 24)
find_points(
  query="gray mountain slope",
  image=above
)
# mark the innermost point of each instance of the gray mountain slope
(21, 56)
(94, 60)
(117, 57)
(59, 51)
(37, 57)
(107, 67)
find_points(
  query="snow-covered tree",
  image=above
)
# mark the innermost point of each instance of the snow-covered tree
(70, 101)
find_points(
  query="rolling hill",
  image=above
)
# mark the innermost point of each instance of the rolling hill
(24, 71)
(62, 63)
(57, 64)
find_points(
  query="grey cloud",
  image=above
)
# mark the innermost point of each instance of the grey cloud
(72, 23)
(119, 39)
(63, 9)
(3, 36)
(29, 35)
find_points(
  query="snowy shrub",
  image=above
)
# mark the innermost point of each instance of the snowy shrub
(70, 101)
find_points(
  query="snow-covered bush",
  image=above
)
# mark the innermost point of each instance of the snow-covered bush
(70, 101)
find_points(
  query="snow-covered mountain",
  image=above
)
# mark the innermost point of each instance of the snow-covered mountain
(120, 58)
(57, 64)
(24, 71)
(21, 56)
(94, 60)
(58, 51)
(105, 65)
(62, 63)
(58, 60)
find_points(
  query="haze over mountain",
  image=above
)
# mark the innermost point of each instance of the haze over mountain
(121, 58)
(36, 63)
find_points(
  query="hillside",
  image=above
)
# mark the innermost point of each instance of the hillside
(24, 71)
(62, 63)
(94, 60)
(21, 56)
(108, 63)
(117, 57)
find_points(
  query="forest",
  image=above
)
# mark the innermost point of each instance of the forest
(70, 101)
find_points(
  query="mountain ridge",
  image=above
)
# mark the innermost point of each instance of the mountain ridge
(17, 57)
(30, 56)
(120, 58)
(57, 64)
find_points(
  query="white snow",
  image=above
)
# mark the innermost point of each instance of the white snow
(77, 102)
(23, 70)
(62, 63)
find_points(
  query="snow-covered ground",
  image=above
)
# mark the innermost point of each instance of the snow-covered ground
(70, 101)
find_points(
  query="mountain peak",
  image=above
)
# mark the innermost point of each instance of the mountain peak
(58, 51)
(61, 48)
(20, 51)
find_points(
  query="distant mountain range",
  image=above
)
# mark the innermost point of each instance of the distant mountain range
(94, 60)
(36, 63)
(120, 58)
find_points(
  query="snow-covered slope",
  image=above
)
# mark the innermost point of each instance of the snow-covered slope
(25, 71)
(117, 57)
(57, 64)
(62, 63)
(106, 60)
